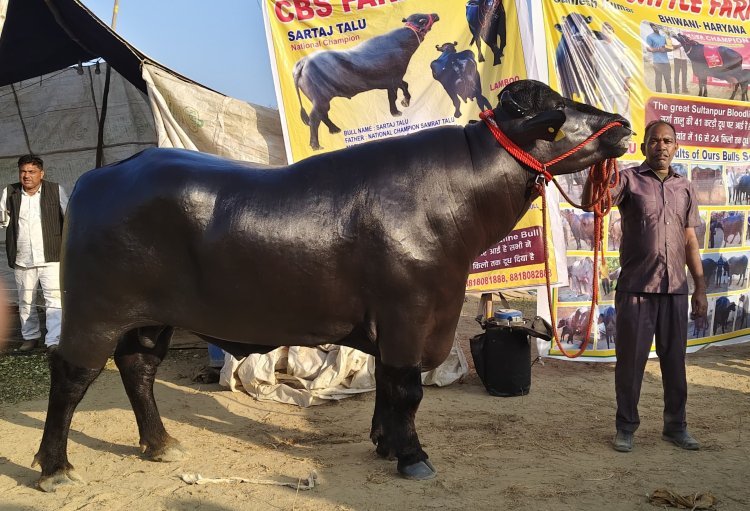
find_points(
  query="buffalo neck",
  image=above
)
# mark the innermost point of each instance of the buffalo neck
(502, 188)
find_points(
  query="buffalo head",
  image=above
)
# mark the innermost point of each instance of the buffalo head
(685, 41)
(447, 47)
(421, 23)
(546, 125)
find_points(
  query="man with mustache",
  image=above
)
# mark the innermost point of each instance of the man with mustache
(34, 210)
(659, 213)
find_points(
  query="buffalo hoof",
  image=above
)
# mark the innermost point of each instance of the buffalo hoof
(172, 451)
(63, 477)
(420, 471)
(405, 102)
(334, 130)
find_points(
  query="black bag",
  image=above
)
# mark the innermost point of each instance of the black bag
(502, 358)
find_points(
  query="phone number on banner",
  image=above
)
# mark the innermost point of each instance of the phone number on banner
(505, 278)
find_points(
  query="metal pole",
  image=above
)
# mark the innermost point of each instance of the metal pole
(115, 10)
(105, 97)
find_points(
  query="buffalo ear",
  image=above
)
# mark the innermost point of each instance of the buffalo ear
(558, 27)
(403, 20)
(589, 19)
(543, 126)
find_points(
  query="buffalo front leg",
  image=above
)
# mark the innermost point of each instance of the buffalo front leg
(734, 91)
(332, 128)
(68, 384)
(400, 392)
(138, 364)
(484, 104)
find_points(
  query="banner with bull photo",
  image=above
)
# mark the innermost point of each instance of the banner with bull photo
(352, 71)
(687, 63)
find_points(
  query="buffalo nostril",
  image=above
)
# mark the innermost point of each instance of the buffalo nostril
(625, 123)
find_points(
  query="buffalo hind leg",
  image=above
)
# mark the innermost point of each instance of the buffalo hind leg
(380, 419)
(497, 55)
(456, 105)
(392, 93)
(68, 384)
(138, 364)
(397, 398)
(503, 36)
(478, 40)
(405, 90)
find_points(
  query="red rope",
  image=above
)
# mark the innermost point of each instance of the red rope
(603, 176)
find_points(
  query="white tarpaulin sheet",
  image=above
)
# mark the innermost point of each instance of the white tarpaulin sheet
(197, 118)
(312, 376)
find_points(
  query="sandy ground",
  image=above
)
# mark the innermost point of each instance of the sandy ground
(549, 450)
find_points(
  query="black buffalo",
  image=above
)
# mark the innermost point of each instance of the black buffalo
(575, 58)
(730, 70)
(457, 73)
(382, 235)
(737, 265)
(709, 271)
(378, 63)
(742, 189)
(486, 20)
(721, 314)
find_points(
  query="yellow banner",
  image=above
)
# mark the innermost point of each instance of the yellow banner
(337, 62)
(686, 62)
(352, 71)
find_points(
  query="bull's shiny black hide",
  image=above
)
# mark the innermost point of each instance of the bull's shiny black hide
(368, 247)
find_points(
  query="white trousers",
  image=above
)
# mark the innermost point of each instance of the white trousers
(48, 276)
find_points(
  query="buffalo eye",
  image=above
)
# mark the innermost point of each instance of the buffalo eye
(510, 105)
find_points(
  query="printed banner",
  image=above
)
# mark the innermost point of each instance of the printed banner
(687, 63)
(352, 71)
(518, 260)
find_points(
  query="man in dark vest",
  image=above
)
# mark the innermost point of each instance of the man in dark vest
(34, 211)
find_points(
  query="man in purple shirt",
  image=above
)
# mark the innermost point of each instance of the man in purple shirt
(659, 214)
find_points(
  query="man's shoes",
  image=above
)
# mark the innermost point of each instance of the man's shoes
(623, 441)
(28, 345)
(681, 439)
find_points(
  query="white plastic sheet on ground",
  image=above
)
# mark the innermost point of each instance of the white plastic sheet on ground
(312, 376)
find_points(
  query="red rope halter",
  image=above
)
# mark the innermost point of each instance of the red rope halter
(603, 176)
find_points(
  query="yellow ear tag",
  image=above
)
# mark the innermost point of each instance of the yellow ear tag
(560, 135)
